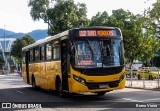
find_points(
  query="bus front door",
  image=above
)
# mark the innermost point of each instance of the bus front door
(64, 65)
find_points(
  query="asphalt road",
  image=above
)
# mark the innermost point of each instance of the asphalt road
(13, 90)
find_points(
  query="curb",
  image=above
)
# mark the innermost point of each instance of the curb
(10, 74)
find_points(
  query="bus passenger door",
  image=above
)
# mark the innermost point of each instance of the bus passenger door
(27, 65)
(64, 65)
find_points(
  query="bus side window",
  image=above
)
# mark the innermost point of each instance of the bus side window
(48, 51)
(42, 53)
(31, 55)
(37, 54)
(24, 58)
(56, 52)
(33, 59)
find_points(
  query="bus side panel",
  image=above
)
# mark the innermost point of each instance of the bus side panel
(25, 67)
(24, 73)
(55, 70)
(44, 73)
(34, 70)
(30, 73)
(38, 70)
(51, 77)
(41, 75)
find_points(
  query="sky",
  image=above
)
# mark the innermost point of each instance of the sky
(15, 14)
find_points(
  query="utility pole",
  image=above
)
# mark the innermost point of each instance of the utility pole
(4, 38)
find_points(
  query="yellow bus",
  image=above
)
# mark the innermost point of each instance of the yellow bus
(78, 60)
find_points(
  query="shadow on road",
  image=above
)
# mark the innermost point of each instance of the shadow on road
(49, 99)
(14, 90)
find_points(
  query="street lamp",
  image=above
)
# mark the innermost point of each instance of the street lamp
(4, 38)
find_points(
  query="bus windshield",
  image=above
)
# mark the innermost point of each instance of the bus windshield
(98, 53)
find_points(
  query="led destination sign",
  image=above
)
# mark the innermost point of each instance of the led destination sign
(94, 33)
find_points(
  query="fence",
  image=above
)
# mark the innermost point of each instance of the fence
(145, 77)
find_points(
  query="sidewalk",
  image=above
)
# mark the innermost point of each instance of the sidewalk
(6, 73)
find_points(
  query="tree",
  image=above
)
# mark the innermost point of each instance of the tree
(133, 38)
(154, 14)
(137, 44)
(39, 9)
(63, 15)
(156, 62)
(152, 32)
(151, 46)
(127, 22)
(2, 62)
(101, 19)
(19, 44)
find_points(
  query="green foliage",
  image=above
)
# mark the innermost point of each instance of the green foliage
(133, 40)
(154, 14)
(39, 9)
(152, 45)
(138, 45)
(99, 19)
(64, 15)
(2, 63)
(156, 62)
(19, 44)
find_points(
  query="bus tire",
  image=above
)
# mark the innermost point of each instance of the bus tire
(58, 86)
(33, 83)
(100, 93)
(139, 77)
(59, 90)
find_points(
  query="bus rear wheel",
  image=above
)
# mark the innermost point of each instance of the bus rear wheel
(59, 87)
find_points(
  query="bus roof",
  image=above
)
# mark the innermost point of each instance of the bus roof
(49, 38)
(46, 39)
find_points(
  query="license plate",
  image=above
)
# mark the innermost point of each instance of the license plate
(104, 86)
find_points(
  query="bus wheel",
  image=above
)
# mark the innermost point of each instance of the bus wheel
(33, 83)
(139, 77)
(59, 87)
(100, 93)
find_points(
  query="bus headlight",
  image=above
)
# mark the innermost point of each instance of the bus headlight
(121, 77)
(79, 79)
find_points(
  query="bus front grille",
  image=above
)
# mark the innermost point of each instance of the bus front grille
(104, 85)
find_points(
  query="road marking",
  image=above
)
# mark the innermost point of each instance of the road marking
(19, 92)
(152, 99)
(133, 100)
(12, 79)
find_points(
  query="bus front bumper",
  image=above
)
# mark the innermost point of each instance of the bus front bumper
(78, 87)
